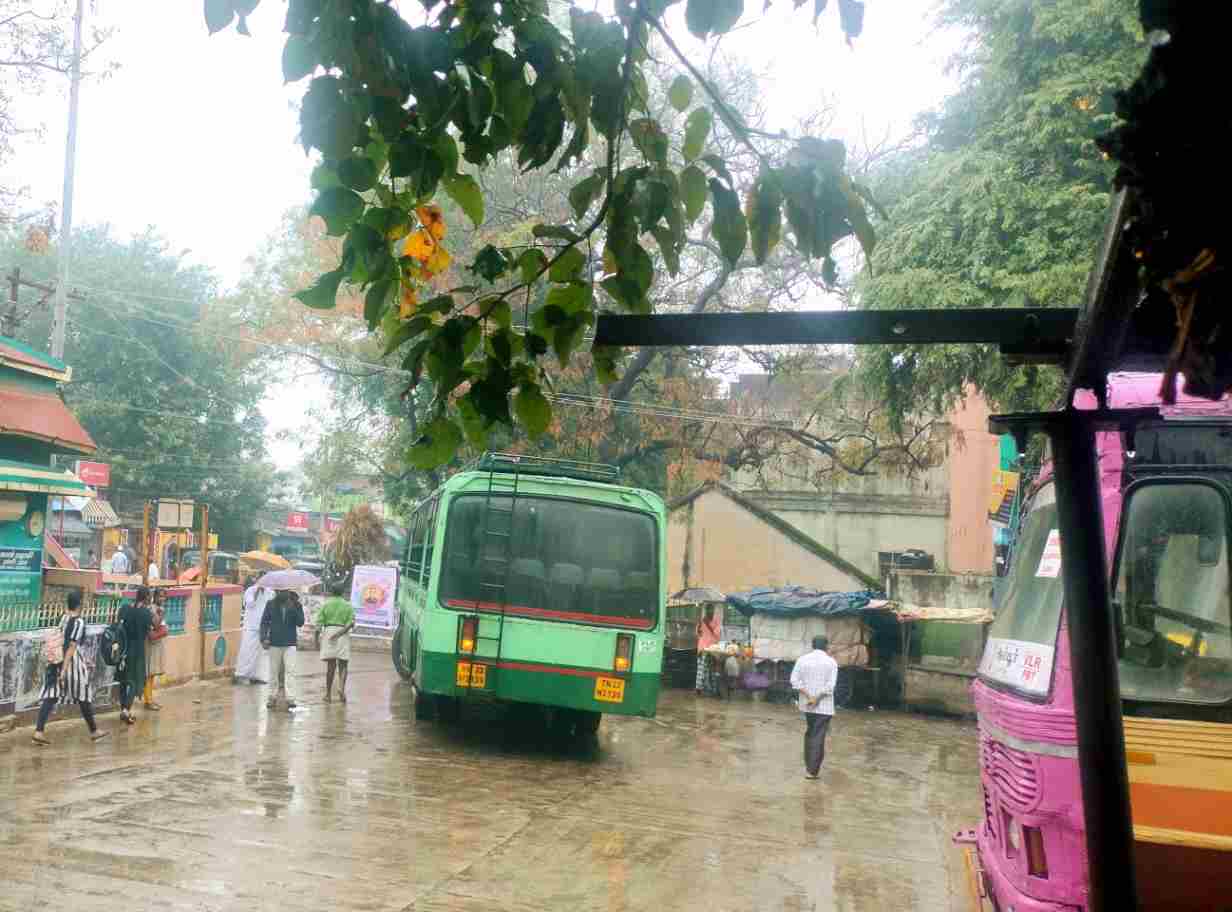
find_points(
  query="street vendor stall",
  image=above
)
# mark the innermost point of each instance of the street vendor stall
(940, 655)
(781, 625)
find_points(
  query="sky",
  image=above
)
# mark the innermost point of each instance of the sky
(196, 135)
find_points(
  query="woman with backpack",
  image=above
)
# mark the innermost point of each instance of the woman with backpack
(136, 620)
(68, 680)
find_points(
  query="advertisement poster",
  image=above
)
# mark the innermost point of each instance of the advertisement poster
(1019, 663)
(20, 573)
(1050, 560)
(372, 595)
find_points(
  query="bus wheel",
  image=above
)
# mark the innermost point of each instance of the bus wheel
(424, 705)
(588, 723)
(400, 664)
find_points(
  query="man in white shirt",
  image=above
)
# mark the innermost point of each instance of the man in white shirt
(119, 563)
(814, 676)
(152, 573)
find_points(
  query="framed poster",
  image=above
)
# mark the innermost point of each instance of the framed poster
(373, 590)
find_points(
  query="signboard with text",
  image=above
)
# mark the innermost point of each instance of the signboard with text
(297, 521)
(20, 573)
(175, 514)
(373, 589)
(1019, 663)
(95, 474)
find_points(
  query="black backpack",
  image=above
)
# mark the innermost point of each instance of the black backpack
(113, 644)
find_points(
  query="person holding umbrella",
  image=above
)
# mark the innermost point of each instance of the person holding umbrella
(280, 623)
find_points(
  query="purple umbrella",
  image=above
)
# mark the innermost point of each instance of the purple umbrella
(288, 579)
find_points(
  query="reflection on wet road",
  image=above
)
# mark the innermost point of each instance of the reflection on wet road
(218, 803)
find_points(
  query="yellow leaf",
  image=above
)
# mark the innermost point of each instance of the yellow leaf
(420, 244)
(408, 304)
(432, 219)
(439, 261)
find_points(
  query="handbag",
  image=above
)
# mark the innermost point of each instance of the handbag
(53, 645)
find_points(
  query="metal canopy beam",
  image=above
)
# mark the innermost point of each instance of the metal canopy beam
(1030, 332)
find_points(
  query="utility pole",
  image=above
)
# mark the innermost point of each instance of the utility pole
(11, 319)
(66, 213)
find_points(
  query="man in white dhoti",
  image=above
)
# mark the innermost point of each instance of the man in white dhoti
(253, 663)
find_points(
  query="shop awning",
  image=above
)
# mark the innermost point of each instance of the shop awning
(36, 479)
(98, 514)
(42, 415)
(22, 357)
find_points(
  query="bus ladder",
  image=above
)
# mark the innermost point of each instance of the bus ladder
(496, 562)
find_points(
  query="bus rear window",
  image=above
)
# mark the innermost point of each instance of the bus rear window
(1023, 638)
(565, 560)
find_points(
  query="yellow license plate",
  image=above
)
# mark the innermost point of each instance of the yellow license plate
(469, 675)
(610, 690)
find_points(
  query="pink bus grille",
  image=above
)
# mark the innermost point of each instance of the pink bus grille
(1012, 772)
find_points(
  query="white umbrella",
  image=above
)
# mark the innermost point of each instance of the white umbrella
(288, 579)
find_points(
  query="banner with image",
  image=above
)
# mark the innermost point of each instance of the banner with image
(373, 589)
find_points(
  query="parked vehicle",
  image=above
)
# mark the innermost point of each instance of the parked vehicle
(1167, 500)
(532, 580)
(223, 564)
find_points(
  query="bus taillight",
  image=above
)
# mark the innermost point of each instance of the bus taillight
(624, 652)
(467, 634)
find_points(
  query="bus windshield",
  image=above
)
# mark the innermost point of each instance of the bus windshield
(1023, 638)
(1172, 596)
(569, 560)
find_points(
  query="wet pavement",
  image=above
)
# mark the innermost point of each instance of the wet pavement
(217, 803)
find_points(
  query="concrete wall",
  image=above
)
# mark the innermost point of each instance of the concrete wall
(857, 526)
(942, 590)
(973, 457)
(721, 544)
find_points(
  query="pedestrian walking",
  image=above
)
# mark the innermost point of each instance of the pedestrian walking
(709, 632)
(91, 560)
(68, 681)
(280, 623)
(336, 620)
(155, 648)
(252, 665)
(814, 676)
(137, 621)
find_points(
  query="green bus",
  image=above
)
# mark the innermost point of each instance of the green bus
(535, 581)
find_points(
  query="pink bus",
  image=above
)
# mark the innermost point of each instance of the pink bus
(1167, 502)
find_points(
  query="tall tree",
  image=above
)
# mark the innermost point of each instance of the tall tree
(159, 378)
(1004, 203)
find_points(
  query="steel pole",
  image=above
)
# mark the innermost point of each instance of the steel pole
(66, 205)
(1093, 660)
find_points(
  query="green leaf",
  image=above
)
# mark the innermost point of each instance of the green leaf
(491, 393)
(558, 232)
(339, 207)
(473, 425)
(606, 359)
(571, 299)
(218, 14)
(567, 266)
(862, 227)
(357, 172)
(731, 229)
(440, 441)
(490, 264)
(765, 216)
(464, 190)
(328, 120)
(324, 291)
(693, 190)
(298, 59)
(323, 177)
(720, 168)
(530, 263)
(650, 201)
(582, 194)
(696, 131)
(446, 150)
(532, 409)
(440, 304)
(375, 302)
(667, 247)
(704, 17)
(404, 332)
(681, 92)
(650, 139)
(568, 336)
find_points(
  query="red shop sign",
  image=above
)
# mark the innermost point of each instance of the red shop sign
(95, 474)
(297, 521)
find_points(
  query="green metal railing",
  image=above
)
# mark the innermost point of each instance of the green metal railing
(17, 615)
(174, 610)
(211, 617)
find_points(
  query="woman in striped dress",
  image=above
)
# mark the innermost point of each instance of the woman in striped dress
(69, 681)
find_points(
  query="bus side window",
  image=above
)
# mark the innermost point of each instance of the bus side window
(415, 550)
(429, 537)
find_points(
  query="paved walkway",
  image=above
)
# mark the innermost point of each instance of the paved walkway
(217, 803)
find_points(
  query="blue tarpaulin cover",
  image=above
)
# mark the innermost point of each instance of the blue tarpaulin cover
(800, 601)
